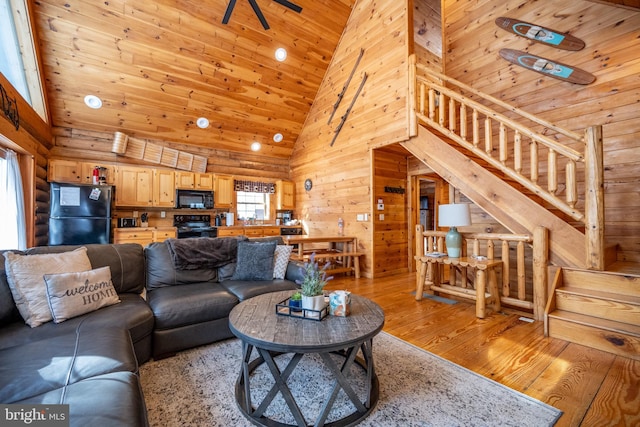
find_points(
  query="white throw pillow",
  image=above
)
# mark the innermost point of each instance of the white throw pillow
(73, 294)
(25, 274)
(281, 260)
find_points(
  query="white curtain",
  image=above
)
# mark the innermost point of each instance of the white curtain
(12, 200)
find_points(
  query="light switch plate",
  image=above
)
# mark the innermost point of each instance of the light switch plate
(360, 217)
(381, 217)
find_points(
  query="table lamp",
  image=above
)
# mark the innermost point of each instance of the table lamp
(454, 215)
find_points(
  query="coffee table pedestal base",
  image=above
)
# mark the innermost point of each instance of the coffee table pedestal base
(256, 414)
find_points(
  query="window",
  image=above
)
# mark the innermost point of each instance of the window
(14, 235)
(252, 205)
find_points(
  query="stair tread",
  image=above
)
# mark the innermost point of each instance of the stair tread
(610, 296)
(611, 325)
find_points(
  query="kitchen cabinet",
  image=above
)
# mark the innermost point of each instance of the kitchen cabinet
(162, 234)
(185, 180)
(230, 232)
(224, 194)
(270, 231)
(285, 195)
(87, 173)
(204, 181)
(134, 186)
(164, 193)
(64, 171)
(142, 236)
(76, 172)
(196, 181)
(249, 231)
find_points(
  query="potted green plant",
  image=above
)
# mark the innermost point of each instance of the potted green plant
(295, 301)
(312, 283)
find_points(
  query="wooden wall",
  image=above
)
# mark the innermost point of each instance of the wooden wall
(612, 53)
(342, 173)
(91, 145)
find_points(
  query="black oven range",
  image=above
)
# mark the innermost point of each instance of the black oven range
(194, 226)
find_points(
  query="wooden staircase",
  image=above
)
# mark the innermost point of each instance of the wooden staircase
(596, 309)
(498, 198)
(451, 132)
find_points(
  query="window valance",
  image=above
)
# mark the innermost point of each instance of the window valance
(254, 186)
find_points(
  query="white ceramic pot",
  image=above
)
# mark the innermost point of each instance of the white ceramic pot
(313, 303)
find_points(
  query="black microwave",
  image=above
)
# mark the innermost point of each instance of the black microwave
(194, 199)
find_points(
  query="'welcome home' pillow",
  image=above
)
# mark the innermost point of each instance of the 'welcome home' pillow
(73, 294)
(25, 276)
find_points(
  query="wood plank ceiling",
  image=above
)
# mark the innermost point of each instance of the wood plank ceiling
(159, 66)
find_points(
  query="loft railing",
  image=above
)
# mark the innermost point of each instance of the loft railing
(499, 137)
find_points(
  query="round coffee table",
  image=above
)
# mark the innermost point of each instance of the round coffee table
(258, 326)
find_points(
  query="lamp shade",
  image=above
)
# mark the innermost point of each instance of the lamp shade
(454, 215)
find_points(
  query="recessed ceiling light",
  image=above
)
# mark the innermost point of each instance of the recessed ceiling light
(255, 146)
(277, 137)
(93, 101)
(202, 123)
(281, 54)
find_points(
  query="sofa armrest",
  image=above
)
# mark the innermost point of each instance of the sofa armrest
(294, 271)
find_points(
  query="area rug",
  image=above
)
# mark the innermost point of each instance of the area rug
(417, 388)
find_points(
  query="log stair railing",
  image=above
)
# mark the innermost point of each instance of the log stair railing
(478, 128)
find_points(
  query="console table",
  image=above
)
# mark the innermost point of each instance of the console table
(259, 328)
(430, 275)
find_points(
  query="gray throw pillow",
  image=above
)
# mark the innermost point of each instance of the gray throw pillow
(255, 261)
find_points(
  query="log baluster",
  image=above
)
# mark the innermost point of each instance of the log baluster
(552, 166)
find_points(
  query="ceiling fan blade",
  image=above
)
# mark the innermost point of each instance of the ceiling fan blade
(290, 5)
(259, 14)
(227, 14)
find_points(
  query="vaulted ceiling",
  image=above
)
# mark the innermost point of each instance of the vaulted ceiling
(159, 66)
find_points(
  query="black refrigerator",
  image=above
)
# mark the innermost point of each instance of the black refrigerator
(79, 214)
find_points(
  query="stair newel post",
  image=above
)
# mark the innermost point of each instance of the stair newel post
(419, 236)
(594, 198)
(540, 262)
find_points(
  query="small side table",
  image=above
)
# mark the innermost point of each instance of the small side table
(429, 274)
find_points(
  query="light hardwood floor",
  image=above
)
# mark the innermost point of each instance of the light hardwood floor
(591, 387)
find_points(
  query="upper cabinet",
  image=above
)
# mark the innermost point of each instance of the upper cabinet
(223, 197)
(204, 181)
(185, 180)
(197, 181)
(285, 195)
(134, 186)
(164, 188)
(77, 172)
